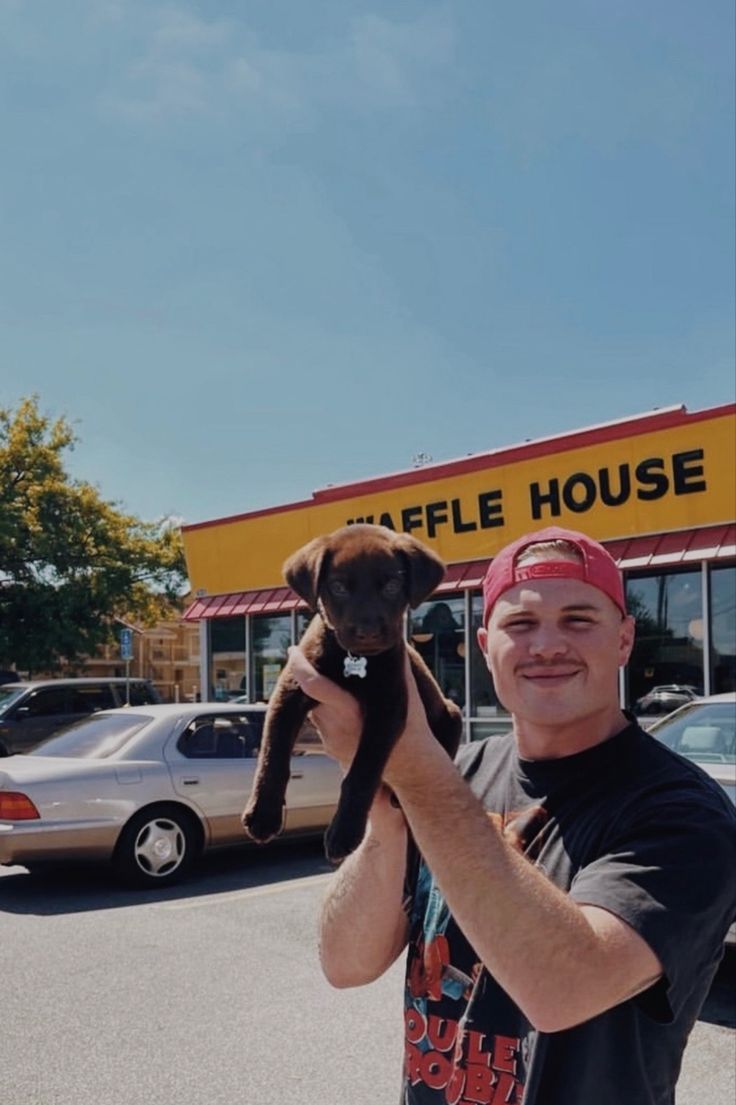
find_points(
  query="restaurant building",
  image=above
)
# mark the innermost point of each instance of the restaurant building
(658, 489)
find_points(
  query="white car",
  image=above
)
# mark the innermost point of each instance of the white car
(148, 788)
(704, 731)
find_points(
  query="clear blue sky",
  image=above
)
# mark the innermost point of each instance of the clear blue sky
(250, 249)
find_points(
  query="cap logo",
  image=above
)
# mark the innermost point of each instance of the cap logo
(550, 569)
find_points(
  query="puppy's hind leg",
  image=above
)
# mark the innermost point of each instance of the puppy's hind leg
(445, 717)
(359, 788)
(263, 817)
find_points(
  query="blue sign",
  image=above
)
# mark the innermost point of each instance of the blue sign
(126, 644)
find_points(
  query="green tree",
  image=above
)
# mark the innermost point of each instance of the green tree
(70, 562)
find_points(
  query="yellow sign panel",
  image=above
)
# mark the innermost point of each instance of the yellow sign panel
(669, 479)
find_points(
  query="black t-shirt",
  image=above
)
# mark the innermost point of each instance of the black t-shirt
(629, 826)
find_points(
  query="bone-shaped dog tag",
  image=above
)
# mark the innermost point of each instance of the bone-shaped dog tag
(355, 665)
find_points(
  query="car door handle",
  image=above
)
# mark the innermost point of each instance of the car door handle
(297, 775)
(190, 782)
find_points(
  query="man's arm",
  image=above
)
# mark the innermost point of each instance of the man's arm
(364, 927)
(562, 963)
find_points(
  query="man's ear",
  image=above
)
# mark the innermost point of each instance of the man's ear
(303, 569)
(626, 639)
(424, 569)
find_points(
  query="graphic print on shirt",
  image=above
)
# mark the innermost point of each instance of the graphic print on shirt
(447, 1060)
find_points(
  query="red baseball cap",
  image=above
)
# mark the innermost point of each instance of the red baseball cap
(596, 567)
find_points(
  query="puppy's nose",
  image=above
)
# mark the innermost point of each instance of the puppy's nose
(367, 635)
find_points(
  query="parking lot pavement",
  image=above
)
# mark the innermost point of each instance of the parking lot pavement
(212, 992)
(709, 1066)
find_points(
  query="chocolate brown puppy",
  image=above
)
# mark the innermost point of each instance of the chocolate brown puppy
(359, 580)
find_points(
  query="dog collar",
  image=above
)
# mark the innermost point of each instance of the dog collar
(355, 665)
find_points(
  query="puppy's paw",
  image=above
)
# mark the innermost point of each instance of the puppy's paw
(262, 822)
(342, 837)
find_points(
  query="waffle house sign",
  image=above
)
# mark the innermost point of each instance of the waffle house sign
(661, 472)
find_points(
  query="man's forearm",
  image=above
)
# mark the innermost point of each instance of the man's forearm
(363, 926)
(537, 942)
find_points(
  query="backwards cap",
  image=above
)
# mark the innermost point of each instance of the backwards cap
(596, 567)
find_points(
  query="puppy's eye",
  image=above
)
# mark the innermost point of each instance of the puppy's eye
(338, 588)
(392, 588)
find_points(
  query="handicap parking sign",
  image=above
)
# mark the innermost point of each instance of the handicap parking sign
(126, 644)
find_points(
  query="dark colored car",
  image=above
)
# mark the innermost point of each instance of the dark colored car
(663, 700)
(32, 710)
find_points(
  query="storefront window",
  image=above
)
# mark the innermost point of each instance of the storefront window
(669, 633)
(227, 673)
(303, 618)
(487, 715)
(723, 628)
(271, 639)
(437, 631)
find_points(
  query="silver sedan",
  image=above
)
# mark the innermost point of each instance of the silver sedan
(704, 731)
(149, 788)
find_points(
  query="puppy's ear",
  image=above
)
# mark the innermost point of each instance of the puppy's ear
(303, 569)
(424, 569)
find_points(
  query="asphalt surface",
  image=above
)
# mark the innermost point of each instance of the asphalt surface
(211, 993)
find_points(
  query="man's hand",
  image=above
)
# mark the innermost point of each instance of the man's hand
(337, 715)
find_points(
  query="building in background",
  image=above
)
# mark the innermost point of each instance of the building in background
(166, 653)
(658, 489)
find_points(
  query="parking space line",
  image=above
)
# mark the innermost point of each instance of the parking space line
(247, 892)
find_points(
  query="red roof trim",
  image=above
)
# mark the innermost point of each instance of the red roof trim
(452, 580)
(474, 572)
(231, 605)
(275, 602)
(215, 604)
(706, 543)
(681, 547)
(194, 610)
(242, 603)
(728, 548)
(205, 607)
(546, 446)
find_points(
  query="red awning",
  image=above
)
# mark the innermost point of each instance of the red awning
(668, 549)
(662, 550)
(274, 600)
(453, 579)
(473, 573)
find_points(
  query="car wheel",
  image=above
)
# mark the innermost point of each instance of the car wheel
(157, 846)
(4, 751)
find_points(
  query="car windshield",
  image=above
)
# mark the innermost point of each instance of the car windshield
(93, 738)
(704, 732)
(8, 695)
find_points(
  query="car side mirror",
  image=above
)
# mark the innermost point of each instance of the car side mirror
(22, 712)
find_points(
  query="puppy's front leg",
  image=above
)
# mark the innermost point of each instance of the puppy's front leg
(263, 817)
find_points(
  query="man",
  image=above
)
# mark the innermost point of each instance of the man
(576, 884)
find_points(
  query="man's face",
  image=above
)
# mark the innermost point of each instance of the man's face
(554, 647)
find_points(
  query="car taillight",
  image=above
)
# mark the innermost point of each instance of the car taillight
(15, 806)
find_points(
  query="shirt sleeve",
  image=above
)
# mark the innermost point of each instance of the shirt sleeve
(671, 877)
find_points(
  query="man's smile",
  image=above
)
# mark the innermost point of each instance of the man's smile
(550, 676)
